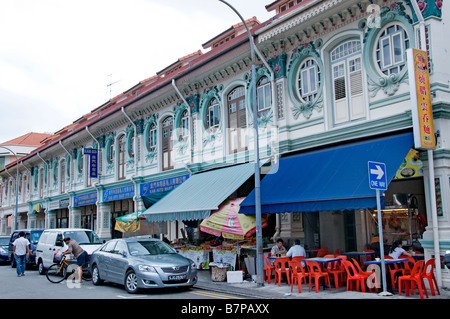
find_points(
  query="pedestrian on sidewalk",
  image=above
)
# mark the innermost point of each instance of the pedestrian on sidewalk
(21, 248)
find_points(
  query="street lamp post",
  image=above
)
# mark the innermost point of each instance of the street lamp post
(259, 247)
(17, 185)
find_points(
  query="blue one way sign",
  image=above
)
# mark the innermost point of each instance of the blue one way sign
(377, 176)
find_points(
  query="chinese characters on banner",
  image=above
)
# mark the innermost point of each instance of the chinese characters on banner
(422, 113)
(93, 163)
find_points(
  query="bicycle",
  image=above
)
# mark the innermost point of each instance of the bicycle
(63, 270)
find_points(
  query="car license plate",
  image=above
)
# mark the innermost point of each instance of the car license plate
(177, 277)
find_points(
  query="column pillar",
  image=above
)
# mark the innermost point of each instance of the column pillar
(104, 220)
(32, 220)
(50, 219)
(75, 217)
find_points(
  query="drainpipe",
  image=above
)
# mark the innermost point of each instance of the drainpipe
(98, 147)
(189, 110)
(71, 163)
(432, 189)
(134, 142)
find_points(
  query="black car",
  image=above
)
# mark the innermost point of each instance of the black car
(33, 236)
(4, 242)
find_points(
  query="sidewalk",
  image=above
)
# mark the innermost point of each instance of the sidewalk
(249, 289)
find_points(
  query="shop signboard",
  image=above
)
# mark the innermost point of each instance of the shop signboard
(93, 163)
(422, 113)
(59, 204)
(85, 199)
(162, 185)
(118, 193)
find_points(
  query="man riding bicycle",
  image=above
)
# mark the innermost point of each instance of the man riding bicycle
(80, 254)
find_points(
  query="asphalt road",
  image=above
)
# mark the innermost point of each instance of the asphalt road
(34, 286)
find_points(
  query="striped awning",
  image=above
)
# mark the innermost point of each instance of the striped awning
(200, 194)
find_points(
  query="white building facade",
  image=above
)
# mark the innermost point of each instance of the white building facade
(329, 72)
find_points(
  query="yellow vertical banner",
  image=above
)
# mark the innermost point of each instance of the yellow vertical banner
(421, 109)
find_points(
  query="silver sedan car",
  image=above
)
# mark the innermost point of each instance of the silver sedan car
(141, 263)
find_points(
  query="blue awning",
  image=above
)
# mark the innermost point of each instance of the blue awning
(332, 179)
(200, 194)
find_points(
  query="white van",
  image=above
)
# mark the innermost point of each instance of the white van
(51, 241)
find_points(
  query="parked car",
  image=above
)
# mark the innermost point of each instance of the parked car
(33, 236)
(4, 243)
(51, 244)
(447, 259)
(141, 263)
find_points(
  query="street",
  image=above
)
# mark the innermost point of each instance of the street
(35, 286)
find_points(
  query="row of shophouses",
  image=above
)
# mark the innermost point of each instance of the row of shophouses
(331, 77)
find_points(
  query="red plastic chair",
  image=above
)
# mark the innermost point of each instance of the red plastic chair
(322, 252)
(267, 270)
(353, 276)
(415, 278)
(316, 273)
(364, 258)
(298, 258)
(298, 274)
(365, 274)
(409, 265)
(428, 273)
(337, 270)
(394, 269)
(282, 266)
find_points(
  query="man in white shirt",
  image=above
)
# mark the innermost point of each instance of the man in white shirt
(296, 251)
(21, 247)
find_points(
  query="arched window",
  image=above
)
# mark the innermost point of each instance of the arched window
(237, 120)
(213, 115)
(391, 47)
(263, 95)
(184, 126)
(152, 138)
(167, 143)
(347, 82)
(308, 80)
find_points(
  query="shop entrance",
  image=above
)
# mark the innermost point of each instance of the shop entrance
(350, 231)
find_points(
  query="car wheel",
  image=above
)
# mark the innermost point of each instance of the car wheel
(13, 261)
(41, 268)
(131, 282)
(96, 276)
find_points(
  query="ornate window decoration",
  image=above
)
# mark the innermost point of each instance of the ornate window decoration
(151, 137)
(80, 161)
(109, 148)
(130, 136)
(182, 128)
(167, 143)
(305, 85)
(384, 51)
(55, 170)
(210, 112)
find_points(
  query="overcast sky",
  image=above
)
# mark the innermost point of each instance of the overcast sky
(57, 57)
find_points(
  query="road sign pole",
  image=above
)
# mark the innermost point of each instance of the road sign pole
(380, 235)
